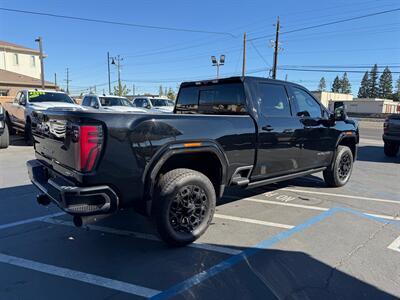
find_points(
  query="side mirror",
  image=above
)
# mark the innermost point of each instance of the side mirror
(96, 106)
(340, 114)
(148, 106)
(22, 102)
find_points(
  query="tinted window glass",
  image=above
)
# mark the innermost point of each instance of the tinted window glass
(113, 101)
(86, 101)
(273, 100)
(93, 102)
(226, 98)
(187, 101)
(39, 96)
(306, 105)
(141, 102)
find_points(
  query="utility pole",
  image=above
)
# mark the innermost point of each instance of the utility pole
(133, 90)
(67, 81)
(276, 50)
(39, 40)
(55, 79)
(109, 78)
(244, 55)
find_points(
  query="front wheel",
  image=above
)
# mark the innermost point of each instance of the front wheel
(184, 206)
(338, 174)
(4, 138)
(390, 149)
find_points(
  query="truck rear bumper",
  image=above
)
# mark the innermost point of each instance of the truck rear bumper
(72, 199)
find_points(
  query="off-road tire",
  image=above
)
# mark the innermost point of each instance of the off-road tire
(337, 174)
(5, 138)
(390, 149)
(168, 196)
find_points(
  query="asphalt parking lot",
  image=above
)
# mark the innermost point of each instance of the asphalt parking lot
(293, 240)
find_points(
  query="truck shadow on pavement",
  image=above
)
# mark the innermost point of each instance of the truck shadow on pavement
(375, 154)
(181, 273)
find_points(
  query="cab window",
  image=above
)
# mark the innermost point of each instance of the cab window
(273, 100)
(306, 105)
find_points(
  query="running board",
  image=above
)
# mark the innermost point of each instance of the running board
(283, 178)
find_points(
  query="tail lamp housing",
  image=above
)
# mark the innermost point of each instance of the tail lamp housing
(90, 141)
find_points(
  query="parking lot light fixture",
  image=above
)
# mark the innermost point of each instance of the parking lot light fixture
(219, 63)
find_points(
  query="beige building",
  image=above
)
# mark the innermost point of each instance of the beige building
(19, 69)
(372, 106)
(19, 59)
(328, 97)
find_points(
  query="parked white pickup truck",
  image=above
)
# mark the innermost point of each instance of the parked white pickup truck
(110, 103)
(19, 112)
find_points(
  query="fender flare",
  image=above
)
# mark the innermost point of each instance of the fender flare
(164, 153)
(346, 135)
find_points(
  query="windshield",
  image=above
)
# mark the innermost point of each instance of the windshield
(113, 101)
(162, 102)
(39, 96)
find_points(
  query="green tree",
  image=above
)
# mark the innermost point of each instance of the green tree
(396, 95)
(121, 92)
(386, 84)
(336, 85)
(171, 94)
(160, 91)
(363, 91)
(373, 90)
(322, 85)
(345, 84)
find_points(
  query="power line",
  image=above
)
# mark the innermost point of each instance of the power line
(331, 23)
(115, 22)
(328, 70)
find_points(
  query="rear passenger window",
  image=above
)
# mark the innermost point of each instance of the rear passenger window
(273, 100)
(226, 98)
(188, 100)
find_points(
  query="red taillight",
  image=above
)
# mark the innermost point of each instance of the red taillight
(90, 141)
(386, 126)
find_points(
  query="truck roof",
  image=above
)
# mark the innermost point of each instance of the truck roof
(234, 79)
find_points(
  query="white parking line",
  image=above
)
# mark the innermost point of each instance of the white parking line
(395, 245)
(341, 195)
(31, 220)
(79, 276)
(309, 207)
(145, 236)
(252, 221)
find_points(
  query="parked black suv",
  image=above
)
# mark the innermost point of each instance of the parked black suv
(391, 135)
(242, 131)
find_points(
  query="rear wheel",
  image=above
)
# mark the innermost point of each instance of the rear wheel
(391, 149)
(338, 174)
(5, 138)
(11, 130)
(184, 206)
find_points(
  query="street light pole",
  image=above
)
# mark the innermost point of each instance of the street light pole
(109, 78)
(39, 40)
(219, 63)
(117, 61)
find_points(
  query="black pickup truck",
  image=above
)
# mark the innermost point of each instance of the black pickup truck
(243, 131)
(391, 135)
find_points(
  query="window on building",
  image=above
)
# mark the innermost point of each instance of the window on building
(4, 92)
(33, 61)
(16, 59)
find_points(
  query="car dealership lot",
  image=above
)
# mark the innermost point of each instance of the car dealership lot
(288, 240)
